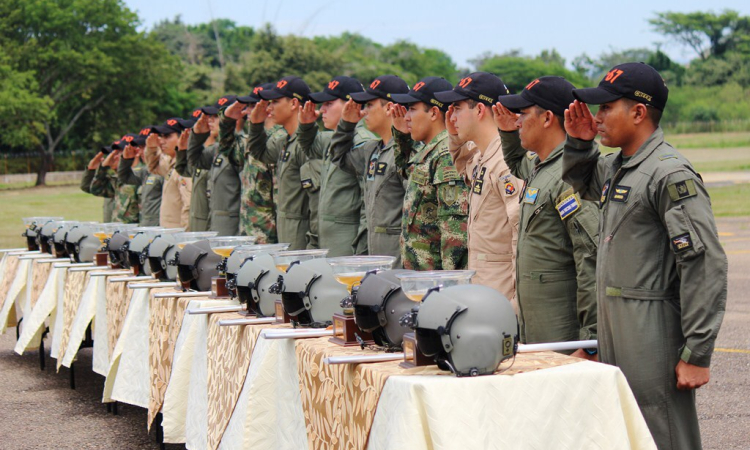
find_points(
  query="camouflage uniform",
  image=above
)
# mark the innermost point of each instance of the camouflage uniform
(126, 206)
(257, 208)
(436, 205)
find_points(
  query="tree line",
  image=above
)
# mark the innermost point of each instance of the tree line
(77, 73)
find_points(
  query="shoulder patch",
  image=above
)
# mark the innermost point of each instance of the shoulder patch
(682, 190)
(681, 243)
(568, 206)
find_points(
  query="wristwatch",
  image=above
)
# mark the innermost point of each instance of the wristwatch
(591, 351)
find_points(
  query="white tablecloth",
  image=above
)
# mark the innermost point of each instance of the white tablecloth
(16, 293)
(175, 406)
(578, 406)
(94, 290)
(269, 410)
(46, 306)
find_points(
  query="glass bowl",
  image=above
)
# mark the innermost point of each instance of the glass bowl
(223, 245)
(415, 285)
(284, 259)
(349, 270)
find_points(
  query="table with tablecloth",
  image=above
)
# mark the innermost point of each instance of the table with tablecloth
(47, 281)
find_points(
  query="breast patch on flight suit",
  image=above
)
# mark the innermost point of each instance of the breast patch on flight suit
(568, 206)
(605, 191)
(218, 161)
(478, 179)
(381, 168)
(150, 180)
(681, 190)
(306, 184)
(285, 156)
(510, 189)
(530, 195)
(621, 194)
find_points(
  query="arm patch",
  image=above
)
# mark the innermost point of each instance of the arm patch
(682, 190)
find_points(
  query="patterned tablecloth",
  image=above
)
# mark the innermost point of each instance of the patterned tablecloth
(118, 301)
(9, 292)
(228, 351)
(164, 326)
(39, 273)
(72, 296)
(45, 307)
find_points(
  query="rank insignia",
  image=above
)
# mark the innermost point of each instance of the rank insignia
(681, 242)
(198, 172)
(681, 190)
(605, 190)
(380, 169)
(477, 188)
(285, 156)
(568, 206)
(621, 194)
(218, 161)
(531, 195)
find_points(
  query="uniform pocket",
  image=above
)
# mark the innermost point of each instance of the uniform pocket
(684, 241)
(309, 174)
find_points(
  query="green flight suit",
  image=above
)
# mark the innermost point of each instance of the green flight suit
(107, 207)
(199, 208)
(224, 187)
(292, 204)
(126, 205)
(436, 205)
(340, 201)
(151, 186)
(374, 161)
(661, 275)
(558, 234)
(257, 208)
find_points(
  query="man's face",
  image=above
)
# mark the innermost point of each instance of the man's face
(614, 121)
(465, 119)
(376, 114)
(530, 125)
(281, 110)
(331, 113)
(418, 120)
(168, 142)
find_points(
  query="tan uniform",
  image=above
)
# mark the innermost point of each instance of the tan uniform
(175, 204)
(493, 214)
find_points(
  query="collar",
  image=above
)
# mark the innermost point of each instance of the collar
(492, 149)
(648, 147)
(556, 153)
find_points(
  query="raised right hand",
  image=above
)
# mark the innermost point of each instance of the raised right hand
(234, 111)
(259, 113)
(352, 112)
(95, 161)
(504, 118)
(152, 140)
(449, 123)
(579, 122)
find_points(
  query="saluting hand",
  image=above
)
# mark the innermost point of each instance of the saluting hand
(449, 121)
(129, 152)
(182, 144)
(234, 111)
(201, 126)
(579, 122)
(398, 115)
(152, 140)
(259, 112)
(504, 118)
(110, 158)
(307, 113)
(352, 112)
(95, 161)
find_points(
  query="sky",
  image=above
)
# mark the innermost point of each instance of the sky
(463, 29)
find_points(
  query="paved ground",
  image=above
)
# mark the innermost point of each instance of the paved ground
(40, 408)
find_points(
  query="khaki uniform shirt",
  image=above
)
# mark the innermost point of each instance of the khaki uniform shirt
(175, 205)
(493, 214)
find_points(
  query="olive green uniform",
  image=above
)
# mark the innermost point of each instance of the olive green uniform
(257, 208)
(340, 201)
(436, 205)
(104, 183)
(151, 185)
(224, 186)
(374, 161)
(199, 209)
(558, 235)
(661, 275)
(107, 207)
(292, 204)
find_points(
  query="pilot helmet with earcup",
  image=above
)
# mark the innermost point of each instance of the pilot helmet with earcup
(160, 251)
(117, 247)
(75, 236)
(45, 235)
(58, 238)
(379, 303)
(254, 280)
(197, 264)
(310, 293)
(469, 328)
(140, 241)
(241, 254)
(88, 245)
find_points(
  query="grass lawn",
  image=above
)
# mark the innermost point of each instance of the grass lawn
(730, 201)
(65, 201)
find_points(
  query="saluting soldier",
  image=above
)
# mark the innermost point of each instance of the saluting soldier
(104, 183)
(340, 202)
(661, 270)
(257, 208)
(374, 162)
(199, 209)
(161, 149)
(282, 103)
(436, 204)
(133, 171)
(493, 204)
(558, 231)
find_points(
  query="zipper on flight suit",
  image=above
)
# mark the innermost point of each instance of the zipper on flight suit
(534, 215)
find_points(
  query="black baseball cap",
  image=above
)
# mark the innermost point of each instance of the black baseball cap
(119, 144)
(106, 149)
(254, 96)
(636, 81)
(138, 141)
(129, 139)
(340, 87)
(382, 87)
(290, 87)
(483, 87)
(550, 93)
(170, 126)
(424, 91)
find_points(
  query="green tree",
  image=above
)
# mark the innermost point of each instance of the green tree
(706, 33)
(85, 59)
(517, 71)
